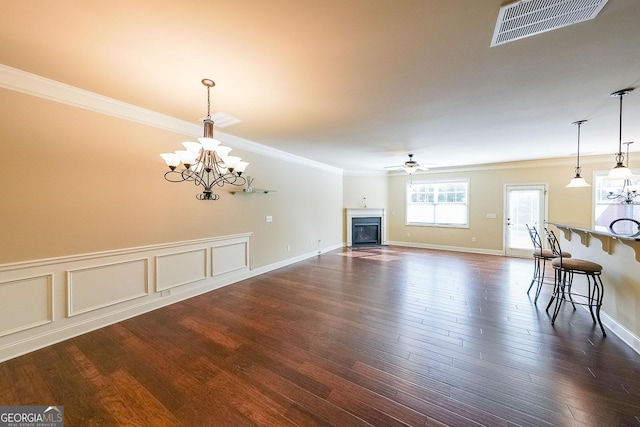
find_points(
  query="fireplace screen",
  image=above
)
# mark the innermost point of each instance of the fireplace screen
(366, 231)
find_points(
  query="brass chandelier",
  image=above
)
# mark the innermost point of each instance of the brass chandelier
(206, 163)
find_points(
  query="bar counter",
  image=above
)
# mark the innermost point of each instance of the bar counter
(619, 256)
(605, 235)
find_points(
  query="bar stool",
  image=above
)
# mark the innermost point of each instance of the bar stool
(565, 269)
(540, 258)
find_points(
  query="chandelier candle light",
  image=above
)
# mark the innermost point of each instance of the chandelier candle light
(206, 162)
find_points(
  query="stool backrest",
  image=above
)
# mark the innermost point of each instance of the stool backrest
(535, 239)
(554, 244)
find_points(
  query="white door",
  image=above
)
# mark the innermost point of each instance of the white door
(524, 205)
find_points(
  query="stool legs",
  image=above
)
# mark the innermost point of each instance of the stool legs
(536, 269)
(539, 268)
(598, 293)
(562, 292)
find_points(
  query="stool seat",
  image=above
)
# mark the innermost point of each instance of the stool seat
(577, 265)
(548, 254)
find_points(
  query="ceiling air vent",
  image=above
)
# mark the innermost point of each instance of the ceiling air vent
(530, 17)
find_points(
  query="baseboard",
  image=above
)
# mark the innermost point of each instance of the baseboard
(623, 333)
(289, 261)
(447, 248)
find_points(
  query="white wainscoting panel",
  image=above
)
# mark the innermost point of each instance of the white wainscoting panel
(50, 300)
(26, 303)
(104, 285)
(226, 258)
(180, 268)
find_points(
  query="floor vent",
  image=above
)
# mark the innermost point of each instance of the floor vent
(530, 17)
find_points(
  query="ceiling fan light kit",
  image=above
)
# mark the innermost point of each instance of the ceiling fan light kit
(410, 166)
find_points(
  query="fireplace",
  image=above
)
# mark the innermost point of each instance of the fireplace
(366, 231)
(366, 226)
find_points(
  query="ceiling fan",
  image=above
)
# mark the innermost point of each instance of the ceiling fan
(410, 166)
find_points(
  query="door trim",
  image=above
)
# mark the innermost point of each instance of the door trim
(505, 212)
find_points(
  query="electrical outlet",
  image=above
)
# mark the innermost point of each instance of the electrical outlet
(288, 248)
(473, 239)
(165, 293)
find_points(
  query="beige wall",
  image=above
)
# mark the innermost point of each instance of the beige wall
(74, 181)
(487, 185)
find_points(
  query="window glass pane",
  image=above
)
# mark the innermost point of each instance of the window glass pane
(607, 206)
(438, 203)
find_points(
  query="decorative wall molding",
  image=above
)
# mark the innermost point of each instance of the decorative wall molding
(45, 326)
(107, 287)
(180, 268)
(34, 85)
(103, 285)
(227, 258)
(34, 293)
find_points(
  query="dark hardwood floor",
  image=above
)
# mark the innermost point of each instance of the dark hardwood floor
(384, 337)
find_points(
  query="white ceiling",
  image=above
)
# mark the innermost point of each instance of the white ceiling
(356, 84)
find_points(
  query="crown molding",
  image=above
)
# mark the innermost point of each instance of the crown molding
(41, 87)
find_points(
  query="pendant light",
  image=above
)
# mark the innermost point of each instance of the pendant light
(620, 171)
(629, 191)
(578, 181)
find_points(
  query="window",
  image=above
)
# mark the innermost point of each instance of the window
(439, 203)
(607, 209)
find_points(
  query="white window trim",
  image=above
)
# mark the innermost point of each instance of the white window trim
(436, 181)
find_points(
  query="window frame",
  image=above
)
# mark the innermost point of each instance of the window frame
(599, 205)
(437, 182)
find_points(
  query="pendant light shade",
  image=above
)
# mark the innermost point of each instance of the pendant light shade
(578, 181)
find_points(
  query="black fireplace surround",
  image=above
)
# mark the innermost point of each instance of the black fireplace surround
(366, 231)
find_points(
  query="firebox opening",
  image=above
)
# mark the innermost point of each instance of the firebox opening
(366, 231)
